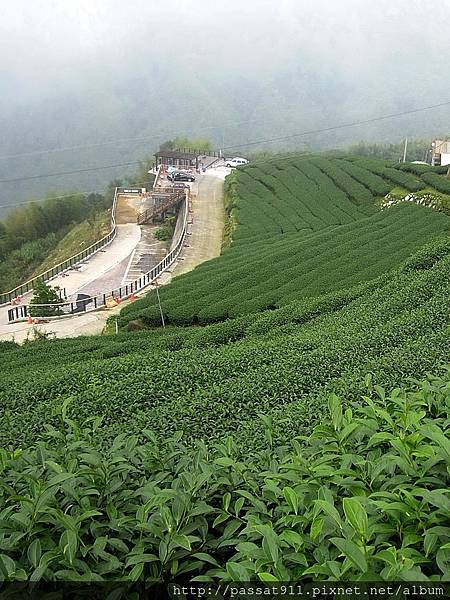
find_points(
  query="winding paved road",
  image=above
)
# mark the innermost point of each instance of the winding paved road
(106, 269)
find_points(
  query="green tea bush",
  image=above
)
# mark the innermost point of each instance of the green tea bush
(442, 184)
(397, 177)
(427, 256)
(5, 346)
(363, 496)
(351, 187)
(374, 183)
(300, 227)
(211, 381)
(417, 169)
(253, 278)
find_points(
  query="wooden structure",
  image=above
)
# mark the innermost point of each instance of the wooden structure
(162, 201)
(182, 159)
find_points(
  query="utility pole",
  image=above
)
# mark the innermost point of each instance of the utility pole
(404, 151)
(159, 303)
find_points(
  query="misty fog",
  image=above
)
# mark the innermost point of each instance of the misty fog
(82, 72)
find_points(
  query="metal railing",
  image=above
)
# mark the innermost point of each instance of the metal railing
(82, 305)
(20, 290)
(157, 176)
(173, 198)
(194, 151)
(214, 162)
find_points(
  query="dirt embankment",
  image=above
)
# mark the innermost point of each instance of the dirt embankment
(127, 209)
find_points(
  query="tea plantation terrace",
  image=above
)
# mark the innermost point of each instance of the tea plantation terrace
(299, 227)
(300, 432)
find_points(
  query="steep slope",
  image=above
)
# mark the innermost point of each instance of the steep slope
(300, 226)
(215, 380)
(96, 483)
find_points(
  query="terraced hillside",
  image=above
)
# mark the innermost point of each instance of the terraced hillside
(313, 424)
(301, 227)
(208, 382)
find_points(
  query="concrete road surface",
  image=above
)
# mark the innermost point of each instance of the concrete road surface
(108, 266)
(205, 241)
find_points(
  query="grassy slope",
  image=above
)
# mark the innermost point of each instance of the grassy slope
(36, 257)
(79, 237)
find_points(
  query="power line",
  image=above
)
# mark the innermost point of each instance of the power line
(159, 135)
(202, 129)
(336, 127)
(252, 143)
(68, 172)
(75, 193)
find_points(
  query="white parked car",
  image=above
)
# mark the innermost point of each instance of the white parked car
(236, 162)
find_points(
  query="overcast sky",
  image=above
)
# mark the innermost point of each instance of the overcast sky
(51, 46)
(77, 72)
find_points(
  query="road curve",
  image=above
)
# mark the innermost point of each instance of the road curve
(204, 243)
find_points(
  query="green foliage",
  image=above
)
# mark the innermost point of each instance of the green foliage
(164, 233)
(377, 185)
(231, 200)
(18, 264)
(212, 381)
(142, 177)
(427, 256)
(442, 184)
(441, 170)
(181, 142)
(356, 192)
(7, 345)
(30, 233)
(414, 168)
(329, 311)
(44, 294)
(395, 176)
(417, 150)
(364, 496)
(289, 262)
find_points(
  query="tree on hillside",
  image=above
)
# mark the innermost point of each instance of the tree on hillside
(110, 188)
(141, 175)
(199, 143)
(25, 223)
(3, 241)
(167, 145)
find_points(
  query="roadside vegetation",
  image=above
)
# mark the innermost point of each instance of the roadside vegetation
(79, 237)
(167, 229)
(37, 234)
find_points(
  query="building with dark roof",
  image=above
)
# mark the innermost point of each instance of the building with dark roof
(181, 159)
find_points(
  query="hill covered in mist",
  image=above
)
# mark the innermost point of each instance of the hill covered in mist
(80, 76)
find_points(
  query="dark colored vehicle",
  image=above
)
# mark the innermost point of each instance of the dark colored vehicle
(81, 303)
(179, 176)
